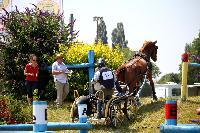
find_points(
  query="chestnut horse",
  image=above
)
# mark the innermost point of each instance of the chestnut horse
(134, 71)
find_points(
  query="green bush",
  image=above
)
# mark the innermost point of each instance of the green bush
(14, 111)
(31, 31)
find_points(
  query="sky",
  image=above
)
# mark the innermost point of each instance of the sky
(173, 23)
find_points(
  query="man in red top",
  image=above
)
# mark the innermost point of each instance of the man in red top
(31, 73)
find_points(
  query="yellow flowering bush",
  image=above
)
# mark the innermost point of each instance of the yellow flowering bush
(78, 53)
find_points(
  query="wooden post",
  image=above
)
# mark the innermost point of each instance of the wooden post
(184, 92)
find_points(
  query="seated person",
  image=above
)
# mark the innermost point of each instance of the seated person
(107, 83)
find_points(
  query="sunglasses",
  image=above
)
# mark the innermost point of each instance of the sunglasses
(34, 60)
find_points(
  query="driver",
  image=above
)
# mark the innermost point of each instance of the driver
(106, 81)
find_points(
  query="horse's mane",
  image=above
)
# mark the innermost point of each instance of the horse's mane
(146, 44)
(139, 53)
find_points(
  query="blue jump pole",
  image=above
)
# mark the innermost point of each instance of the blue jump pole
(194, 64)
(91, 62)
(180, 128)
(51, 126)
(91, 67)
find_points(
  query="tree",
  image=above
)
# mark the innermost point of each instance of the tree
(155, 70)
(118, 36)
(128, 53)
(102, 33)
(32, 31)
(170, 77)
(193, 49)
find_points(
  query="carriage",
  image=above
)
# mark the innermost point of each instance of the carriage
(116, 110)
(119, 108)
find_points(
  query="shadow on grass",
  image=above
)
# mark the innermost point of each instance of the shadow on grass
(151, 107)
(147, 109)
(126, 127)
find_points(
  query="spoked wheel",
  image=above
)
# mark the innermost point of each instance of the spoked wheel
(116, 114)
(74, 113)
(131, 107)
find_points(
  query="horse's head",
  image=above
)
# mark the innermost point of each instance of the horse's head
(120, 73)
(150, 49)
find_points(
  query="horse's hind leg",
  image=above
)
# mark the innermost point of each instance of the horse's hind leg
(149, 77)
(153, 90)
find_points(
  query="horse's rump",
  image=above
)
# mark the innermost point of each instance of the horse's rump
(131, 71)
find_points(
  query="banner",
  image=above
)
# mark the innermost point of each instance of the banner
(50, 5)
(46, 5)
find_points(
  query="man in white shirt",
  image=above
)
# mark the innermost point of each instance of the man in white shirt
(59, 71)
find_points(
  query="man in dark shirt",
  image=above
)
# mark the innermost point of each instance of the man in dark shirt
(108, 82)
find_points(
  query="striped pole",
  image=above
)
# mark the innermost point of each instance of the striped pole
(40, 116)
(184, 93)
(91, 67)
(82, 112)
(171, 112)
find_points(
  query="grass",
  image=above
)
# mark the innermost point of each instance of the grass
(148, 119)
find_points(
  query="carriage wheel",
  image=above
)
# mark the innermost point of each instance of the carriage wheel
(131, 108)
(116, 114)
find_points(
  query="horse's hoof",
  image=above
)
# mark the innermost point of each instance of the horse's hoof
(155, 98)
(138, 104)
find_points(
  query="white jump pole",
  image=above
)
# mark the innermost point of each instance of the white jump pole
(40, 116)
(82, 112)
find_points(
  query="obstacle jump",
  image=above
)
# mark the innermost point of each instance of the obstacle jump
(185, 64)
(171, 125)
(41, 125)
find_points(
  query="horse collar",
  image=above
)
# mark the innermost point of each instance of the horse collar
(144, 56)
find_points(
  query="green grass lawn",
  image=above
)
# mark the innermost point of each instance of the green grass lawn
(148, 119)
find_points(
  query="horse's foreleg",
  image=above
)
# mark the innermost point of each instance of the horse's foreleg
(131, 88)
(137, 87)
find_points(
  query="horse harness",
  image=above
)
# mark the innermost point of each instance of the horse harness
(146, 58)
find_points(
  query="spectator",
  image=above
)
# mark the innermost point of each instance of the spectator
(31, 73)
(59, 71)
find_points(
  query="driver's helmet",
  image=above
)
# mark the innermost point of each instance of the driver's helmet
(101, 62)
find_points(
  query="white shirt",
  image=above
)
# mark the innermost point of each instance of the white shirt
(60, 67)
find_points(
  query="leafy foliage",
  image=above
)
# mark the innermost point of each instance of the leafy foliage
(171, 77)
(128, 53)
(155, 70)
(193, 49)
(102, 32)
(118, 36)
(12, 111)
(32, 31)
